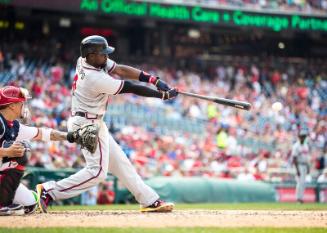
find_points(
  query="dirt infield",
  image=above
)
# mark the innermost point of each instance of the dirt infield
(179, 218)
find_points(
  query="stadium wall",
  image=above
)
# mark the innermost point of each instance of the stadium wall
(196, 189)
(199, 190)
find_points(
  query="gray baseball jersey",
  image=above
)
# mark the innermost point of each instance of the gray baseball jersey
(301, 152)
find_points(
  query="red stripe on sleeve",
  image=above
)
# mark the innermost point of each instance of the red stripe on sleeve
(37, 134)
(112, 68)
(120, 87)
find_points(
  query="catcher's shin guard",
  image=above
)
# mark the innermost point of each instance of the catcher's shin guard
(11, 172)
(9, 182)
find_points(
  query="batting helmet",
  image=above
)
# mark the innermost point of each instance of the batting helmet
(11, 94)
(95, 44)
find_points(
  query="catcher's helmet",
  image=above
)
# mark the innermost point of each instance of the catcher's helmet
(11, 94)
(95, 44)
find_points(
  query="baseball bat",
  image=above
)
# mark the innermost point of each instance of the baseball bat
(223, 101)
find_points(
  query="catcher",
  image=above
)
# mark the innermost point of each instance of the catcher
(15, 198)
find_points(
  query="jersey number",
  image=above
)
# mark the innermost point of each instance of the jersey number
(74, 82)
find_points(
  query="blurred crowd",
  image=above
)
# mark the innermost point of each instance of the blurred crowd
(304, 6)
(285, 94)
(299, 88)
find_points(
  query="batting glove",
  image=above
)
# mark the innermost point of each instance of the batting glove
(171, 94)
(161, 85)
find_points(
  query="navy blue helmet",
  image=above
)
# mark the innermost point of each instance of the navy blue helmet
(95, 44)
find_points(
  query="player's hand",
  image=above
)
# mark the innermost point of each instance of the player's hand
(17, 149)
(171, 94)
(161, 85)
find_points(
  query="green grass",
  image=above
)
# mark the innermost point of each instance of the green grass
(208, 206)
(164, 230)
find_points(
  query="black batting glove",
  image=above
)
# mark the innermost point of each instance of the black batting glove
(148, 78)
(161, 85)
(171, 94)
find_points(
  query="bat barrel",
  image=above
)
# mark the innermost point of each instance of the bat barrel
(223, 101)
(233, 103)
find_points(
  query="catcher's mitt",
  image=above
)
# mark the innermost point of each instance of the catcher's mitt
(86, 136)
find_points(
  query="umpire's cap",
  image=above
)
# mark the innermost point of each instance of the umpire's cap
(95, 44)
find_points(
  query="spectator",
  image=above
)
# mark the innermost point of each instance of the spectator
(106, 195)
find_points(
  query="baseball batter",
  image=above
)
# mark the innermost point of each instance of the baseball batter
(15, 198)
(300, 155)
(93, 85)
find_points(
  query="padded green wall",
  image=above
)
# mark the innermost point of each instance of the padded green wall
(197, 189)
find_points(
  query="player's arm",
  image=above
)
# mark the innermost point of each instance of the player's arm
(128, 72)
(111, 86)
(86, 135)
(141, 90)
(42, 134)
(54, 135)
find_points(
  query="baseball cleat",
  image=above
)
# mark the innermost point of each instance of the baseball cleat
(13, 209)
(44, 198)
(159, 206)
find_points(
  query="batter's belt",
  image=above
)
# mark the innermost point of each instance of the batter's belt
(87, 115)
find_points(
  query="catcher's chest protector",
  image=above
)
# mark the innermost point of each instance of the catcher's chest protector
(8, 134)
